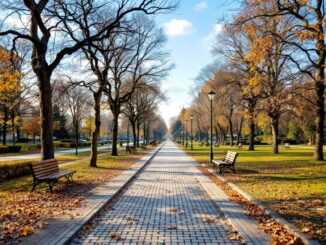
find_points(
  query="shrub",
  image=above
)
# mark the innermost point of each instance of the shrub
(71, 144)
(3, 149)
(256, 142)
(14, 148)
(67, 141)
(9, 171)
(10, 148)
(32, 147)
(23, 140)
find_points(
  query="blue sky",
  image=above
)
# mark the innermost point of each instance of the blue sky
(190, 30)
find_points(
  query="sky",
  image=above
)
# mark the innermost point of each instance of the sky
(191, 31)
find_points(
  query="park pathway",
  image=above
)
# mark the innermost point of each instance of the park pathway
(165, 204)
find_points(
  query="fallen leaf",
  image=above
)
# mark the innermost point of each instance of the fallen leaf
(172, 227)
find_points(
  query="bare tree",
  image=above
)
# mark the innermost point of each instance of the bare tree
(47, 22)
(140, 107)
(78, 103)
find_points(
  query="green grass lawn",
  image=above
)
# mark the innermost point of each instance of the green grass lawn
(290, 182)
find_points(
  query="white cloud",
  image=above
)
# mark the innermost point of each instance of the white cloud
(200, 6)
(210, 38)
(177, 27)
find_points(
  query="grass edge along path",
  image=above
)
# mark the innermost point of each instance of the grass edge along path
(252, 175)
(23, 212)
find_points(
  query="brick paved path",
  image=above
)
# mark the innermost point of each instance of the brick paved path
(165, 204)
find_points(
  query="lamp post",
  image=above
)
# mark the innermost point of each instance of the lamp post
(191, 136)
(211, 96)
(128, 134)
(183, 135)
(186, 132)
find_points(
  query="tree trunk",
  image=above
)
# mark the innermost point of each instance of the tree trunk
(251, 111)
(144, 129)
(320, 91)
(76, 136)
(115, 133)
(97, 119)
(239, 131)
(45, 101)
(4, 126)
(13, 128)
(320, 118)
(231, 132)
(275, 134)
(133, 125)
(251, 136)
(138, 133)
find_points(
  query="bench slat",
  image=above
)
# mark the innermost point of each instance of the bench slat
(46, 167)
(43, 162)
(58, 174)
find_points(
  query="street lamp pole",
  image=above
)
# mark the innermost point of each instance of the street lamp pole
(128, 134)
(211, 96)
(191, 136)
(183, 135)
(179, 135)
(186, 132)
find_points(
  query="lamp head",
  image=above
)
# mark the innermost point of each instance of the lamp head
(211, 95)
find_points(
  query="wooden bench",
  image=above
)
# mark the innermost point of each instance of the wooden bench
(131, 149)
(217, 144)
(286, 145)
(143, 146)
(48, 171)
(201, 144)
(227, 162)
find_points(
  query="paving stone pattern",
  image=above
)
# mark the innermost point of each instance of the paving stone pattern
(165, 204)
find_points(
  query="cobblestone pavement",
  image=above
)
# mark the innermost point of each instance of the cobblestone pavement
(165, 204)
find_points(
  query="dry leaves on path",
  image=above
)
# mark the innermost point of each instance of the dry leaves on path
(24, 213)
(172, 227)
(116, 236)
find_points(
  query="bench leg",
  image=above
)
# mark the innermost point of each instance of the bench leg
(220, 168)
(233, 168)
(69, 178)
(34, 186)
(50, 186)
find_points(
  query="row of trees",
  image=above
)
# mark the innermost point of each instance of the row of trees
(273, 72)
(122, 46)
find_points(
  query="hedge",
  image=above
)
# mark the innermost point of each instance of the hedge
(13, 170)
(23, 140)
(10, 148)
(71, 144)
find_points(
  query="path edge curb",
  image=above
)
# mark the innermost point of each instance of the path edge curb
(268, 211)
